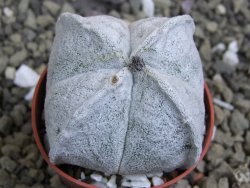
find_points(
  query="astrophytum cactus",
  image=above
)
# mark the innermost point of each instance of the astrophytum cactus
(125, 98)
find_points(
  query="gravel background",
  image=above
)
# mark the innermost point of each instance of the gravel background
(26, 35)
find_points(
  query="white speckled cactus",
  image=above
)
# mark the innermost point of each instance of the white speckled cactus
(125, 99)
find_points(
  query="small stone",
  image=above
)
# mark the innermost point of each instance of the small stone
(163, 3)
(144, 184)
(10, 150)
(201, 166)
(45, 20)
(148, 7)
(112, 182)
(205, 50)
(238, 123)
(247, 142)
(29, 34)
(41, 68)
(157, 181)
(3, 63)
(18, 114)
(158, 174)
(30, 20)
(135, 5)
(223, 104)
(212, 26)
(227, 94)
(140, 15)
(52, 7)
(237, 5)
(219, 115)
(216, 151)
(37, 186)
(233, 46)
(8, 164)
(223, 183)
(137, 177)
(128, 17)
(32, 46)
(239, 155)
(182, 184)
(7, 12)
(10, 73)
(26, 77)
(5, 125)
(199, 32)
(243, 105)
(23, 6)
(96, 177)
(114, 13)
(125, 7)
(210, 182)
(5, 179)
(21, 186)
(20, 139)
(126, 183)
(220, 47)
(67, 8)
(18, 58)
(230, 58)
(223, 170)
(82, 176)
(56, 182)
(16, 38)
(221, 9)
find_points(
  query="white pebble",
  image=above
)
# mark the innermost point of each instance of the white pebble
(223, 104)
(148, 7)
(10, 73)
(112, 182)
(83, 177)
(99, 185)
(219, 47)
(159, 174)
(96, 177)
(26, 77)
(221, 9)
(7, 12)
(230, 58)
(30, 94)
(126, 184)
(233, 46)
(144, 184)
(157, 181)
(138, 177)
(214, 132)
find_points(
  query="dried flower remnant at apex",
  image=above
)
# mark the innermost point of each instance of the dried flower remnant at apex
(137, 64)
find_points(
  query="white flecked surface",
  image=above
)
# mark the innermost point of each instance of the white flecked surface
(102, 115)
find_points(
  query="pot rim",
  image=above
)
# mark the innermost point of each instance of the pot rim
(207, 139)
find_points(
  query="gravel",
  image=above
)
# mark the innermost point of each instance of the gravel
(223, 40)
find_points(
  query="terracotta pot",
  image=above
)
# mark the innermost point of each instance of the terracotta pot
(38, 127)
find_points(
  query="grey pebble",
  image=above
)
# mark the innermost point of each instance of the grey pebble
(8, 164)
(45, 20)
(18, 58)
(5, 179)
(210, 182)
(3, 63)
(223, 183)
(5, 124)
(52, 6)
(238, 123)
